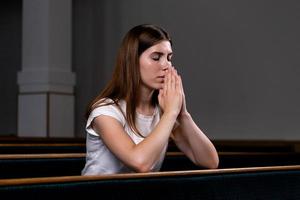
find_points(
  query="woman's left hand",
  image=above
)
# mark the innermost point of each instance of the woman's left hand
(183, 110)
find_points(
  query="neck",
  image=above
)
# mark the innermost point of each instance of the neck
(144, 105)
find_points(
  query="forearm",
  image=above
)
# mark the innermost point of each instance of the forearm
(149, 150)
(202, 149)
(170, 101)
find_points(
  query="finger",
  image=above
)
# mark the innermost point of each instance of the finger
(178, 83)
(181, 85)
(176, 78)
(165, 89)
(180, 80)
(160, 93)
(169, 82)
(175, 70)
(173, 79)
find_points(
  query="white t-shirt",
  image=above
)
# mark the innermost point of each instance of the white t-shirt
(99, 159)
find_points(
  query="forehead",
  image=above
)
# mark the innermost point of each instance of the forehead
(163, 46)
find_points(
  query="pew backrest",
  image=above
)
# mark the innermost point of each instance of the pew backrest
(280, 182)
(63, 164)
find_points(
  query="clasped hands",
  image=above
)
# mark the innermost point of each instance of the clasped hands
(171, 97)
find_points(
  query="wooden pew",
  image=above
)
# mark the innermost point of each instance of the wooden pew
(40, 140)
(39, 165)
(177, 160)
(34, 148)
(29, 145)
(257, 145)
(16, 145)
(250, 146)
(279, 182)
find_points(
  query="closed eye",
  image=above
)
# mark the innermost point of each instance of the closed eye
(157, 55)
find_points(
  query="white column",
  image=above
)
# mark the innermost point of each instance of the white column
(46, 81)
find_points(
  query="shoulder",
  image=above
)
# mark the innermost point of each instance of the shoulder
(107, 107)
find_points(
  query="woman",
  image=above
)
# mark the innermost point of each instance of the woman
(129, 124)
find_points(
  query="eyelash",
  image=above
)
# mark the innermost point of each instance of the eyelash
(157, 58)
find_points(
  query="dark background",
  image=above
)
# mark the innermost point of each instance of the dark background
(239, 60)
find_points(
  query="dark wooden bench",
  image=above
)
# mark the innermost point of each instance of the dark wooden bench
(39, 165)
(278, 182)
(34, 145)
(250, 146)
(257, 145)
(10, 145)
(36, 148)
(39, 140)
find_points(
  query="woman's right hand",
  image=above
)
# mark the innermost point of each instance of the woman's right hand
(170, 96)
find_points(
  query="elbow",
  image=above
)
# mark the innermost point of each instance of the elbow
(141, 166)
(214, 163)
(211, 163)
(143, 169)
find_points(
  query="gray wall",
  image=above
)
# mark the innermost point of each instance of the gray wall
(239, 60)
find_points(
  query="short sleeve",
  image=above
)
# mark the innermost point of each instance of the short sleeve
(108, 110)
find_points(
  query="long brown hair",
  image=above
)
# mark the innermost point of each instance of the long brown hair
(125, 81)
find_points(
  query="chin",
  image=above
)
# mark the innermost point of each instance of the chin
(155, 86)
(158, 86)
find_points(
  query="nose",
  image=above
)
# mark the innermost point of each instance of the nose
(166, 65)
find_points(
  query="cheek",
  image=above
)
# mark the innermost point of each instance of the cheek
(148, 68)
(149, 73)
(146, 74)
